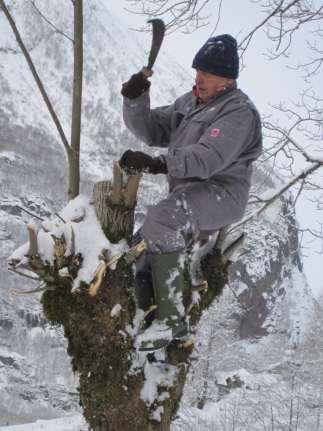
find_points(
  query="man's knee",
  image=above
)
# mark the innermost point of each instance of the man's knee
(163, 229)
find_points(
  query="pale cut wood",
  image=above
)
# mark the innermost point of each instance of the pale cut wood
(33, 245)
(130, 192)
(99, 274)
(101, 192)
(72, 248)
(115, 204)
(129, 256)
(59, 250)
(116, 195)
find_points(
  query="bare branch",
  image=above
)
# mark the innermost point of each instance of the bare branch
(221, 238)
(36, 76)
(243, 45)
(185, 14)
(230, 250)
(50, 23)
(218, 18)
(291, 19)
(59, 217)
(30, 213)
(23, 274)
(41, 288)
(305, 173)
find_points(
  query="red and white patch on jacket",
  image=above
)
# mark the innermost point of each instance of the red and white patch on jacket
(215, 132)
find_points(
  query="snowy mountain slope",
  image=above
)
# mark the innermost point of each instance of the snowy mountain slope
(36, 380)
(257, 343)
(264, 316)
(111, 54)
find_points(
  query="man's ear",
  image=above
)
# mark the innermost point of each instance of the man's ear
(229, 82)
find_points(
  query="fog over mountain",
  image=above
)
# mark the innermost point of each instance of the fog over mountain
(258, 348)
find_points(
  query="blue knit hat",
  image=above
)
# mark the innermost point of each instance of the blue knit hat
(219, 55)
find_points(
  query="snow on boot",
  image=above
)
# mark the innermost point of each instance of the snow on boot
(168, 284)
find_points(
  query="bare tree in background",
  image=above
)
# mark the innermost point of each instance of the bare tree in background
(188, 15)
(72, 147)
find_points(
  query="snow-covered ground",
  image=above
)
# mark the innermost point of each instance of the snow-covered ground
(68, 423)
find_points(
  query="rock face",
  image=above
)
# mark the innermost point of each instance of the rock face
(253, 366)
(246, 342)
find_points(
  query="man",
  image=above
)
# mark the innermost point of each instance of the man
(213, 135)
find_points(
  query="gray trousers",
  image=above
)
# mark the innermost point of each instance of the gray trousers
(169, 226)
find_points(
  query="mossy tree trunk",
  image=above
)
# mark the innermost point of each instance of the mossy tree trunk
(98, 326)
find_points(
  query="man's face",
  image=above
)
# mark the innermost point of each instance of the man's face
(209, 85)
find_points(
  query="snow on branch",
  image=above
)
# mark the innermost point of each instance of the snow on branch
(279, 192)
(75, 247)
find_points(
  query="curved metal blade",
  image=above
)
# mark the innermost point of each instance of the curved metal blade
(158, 36)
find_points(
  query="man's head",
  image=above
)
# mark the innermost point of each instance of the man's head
(216, 64)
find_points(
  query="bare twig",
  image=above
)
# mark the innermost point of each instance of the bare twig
(41, 288)
(30, 213)
(305, 173)
(36, 76)
(23, 274)
(218, 18)
(243, 45)
(229, 251)
(178, 14)
(50, 23)
(59, 217)
(221, 237)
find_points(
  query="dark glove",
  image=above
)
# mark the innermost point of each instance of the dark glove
(135, 162)
(137, 84)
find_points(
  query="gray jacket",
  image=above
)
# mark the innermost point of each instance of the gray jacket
(210, 149)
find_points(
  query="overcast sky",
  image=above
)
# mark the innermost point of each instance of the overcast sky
(263, 80)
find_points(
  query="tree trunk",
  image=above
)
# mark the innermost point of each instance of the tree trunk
(74, 153)
(99, 325)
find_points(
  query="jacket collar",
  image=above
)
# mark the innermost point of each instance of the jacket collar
(198, 106)
(199, 102)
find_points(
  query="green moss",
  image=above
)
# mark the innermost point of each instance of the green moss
(57, 304)
(114, 237)
(101, 354)
(216, 274)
